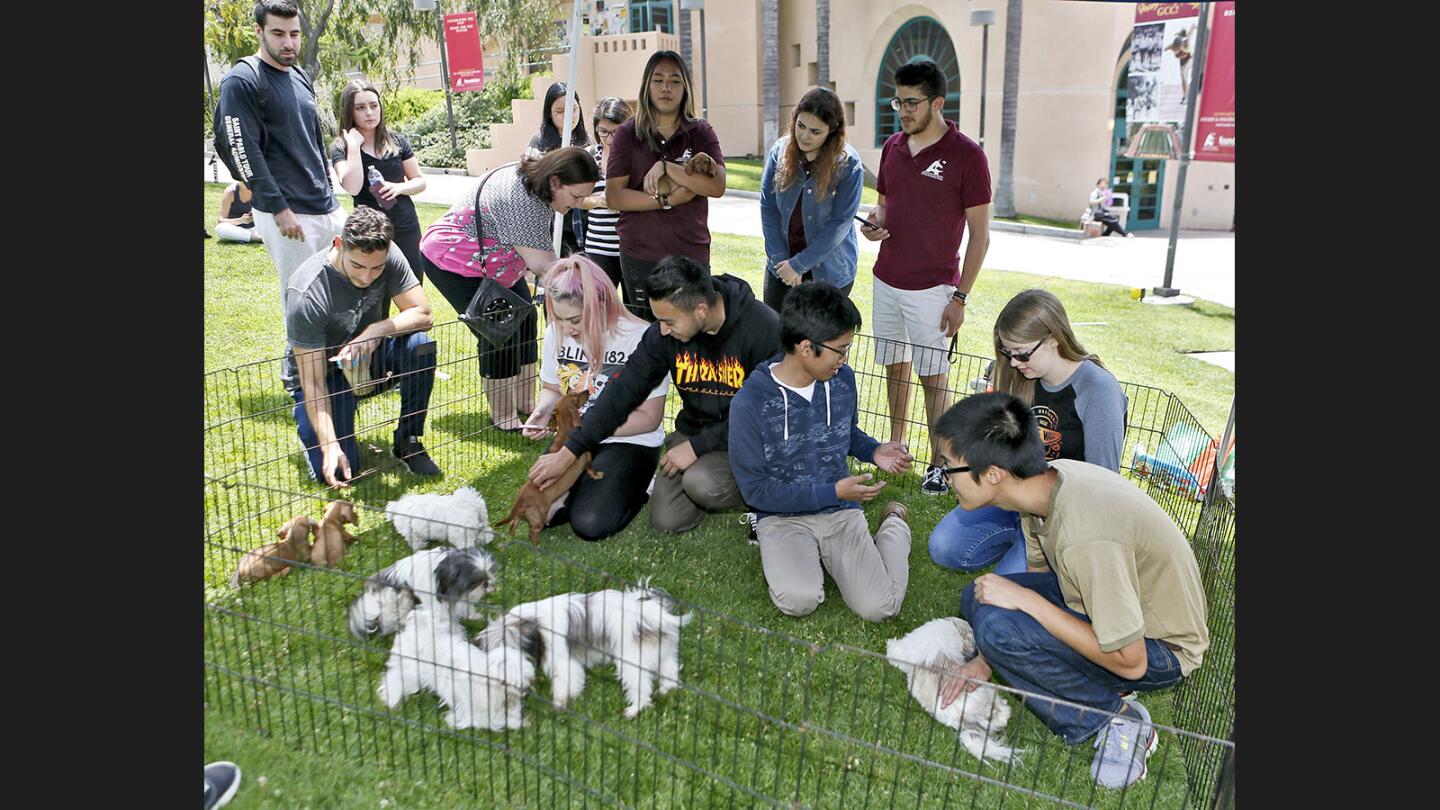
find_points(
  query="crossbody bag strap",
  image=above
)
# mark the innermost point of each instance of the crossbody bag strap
(479, 220)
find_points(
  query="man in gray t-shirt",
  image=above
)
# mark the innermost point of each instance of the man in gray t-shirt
(339, 341)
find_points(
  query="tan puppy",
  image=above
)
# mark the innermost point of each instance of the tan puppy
(532, 505)
(330, 535)
(700, 164)
(271, 560)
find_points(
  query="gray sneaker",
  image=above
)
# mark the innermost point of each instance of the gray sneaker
(1124, 744)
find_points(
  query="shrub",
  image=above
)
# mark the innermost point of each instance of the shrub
(408, 103)
(429, 132)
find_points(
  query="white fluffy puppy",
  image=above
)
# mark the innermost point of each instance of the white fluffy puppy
(481, 689)
(459, 519)
(457, 577)
(980, 716)
(631, 628)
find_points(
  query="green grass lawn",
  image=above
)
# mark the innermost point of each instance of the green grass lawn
(288, 635)
(744, 174)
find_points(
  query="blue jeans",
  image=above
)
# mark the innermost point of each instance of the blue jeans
(412, 359)
(1028, 657)
(972, 540)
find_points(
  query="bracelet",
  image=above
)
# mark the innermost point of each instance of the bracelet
(959, 296)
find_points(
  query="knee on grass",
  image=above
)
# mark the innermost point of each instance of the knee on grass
(796, 603)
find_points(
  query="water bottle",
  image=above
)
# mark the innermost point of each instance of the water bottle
(375, 183)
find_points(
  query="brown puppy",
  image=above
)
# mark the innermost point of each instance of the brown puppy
(330, 535)
(532, 505)
(701, 163)
(270, 560)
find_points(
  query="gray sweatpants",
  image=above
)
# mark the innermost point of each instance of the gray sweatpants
(872, 575)
(679, 504)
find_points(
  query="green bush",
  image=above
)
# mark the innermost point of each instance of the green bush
(408, 103)
(429, 132)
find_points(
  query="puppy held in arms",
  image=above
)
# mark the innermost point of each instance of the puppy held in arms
(458, 519)
(536, 506)
(481, 689)
(923, 655)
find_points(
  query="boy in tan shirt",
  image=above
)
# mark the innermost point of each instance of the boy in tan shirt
(1112, 601)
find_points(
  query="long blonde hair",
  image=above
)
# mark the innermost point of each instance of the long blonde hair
(1029, 317)
(647, 129)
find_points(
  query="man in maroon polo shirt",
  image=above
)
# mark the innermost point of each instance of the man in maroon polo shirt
(933, 181)
(659, 218)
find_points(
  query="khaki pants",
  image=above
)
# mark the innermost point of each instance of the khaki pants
(872, 575)
(679, 504)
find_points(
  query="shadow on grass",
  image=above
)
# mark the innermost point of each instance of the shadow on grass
(274, 407)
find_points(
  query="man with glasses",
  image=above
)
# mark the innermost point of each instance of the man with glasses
(933, 182)
(792, 425)
(1111, 602)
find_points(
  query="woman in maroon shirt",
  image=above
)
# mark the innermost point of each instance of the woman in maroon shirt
(663, 208)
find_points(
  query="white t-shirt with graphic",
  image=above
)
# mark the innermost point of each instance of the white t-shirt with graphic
(565, 365)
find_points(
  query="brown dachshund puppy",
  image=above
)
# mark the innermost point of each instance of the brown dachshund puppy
(270, 560)
(699, 164)
(532, 505)
(330, 535)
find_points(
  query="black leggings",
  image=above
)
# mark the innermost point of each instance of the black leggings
(520, 350)
(776, 290)
(611, 266)
(599, 508)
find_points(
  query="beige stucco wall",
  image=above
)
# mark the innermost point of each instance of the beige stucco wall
(733, 30)
(797, 27)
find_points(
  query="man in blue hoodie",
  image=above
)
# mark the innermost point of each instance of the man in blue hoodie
(792, 425)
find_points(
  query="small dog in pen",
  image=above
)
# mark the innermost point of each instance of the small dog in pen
(459, 519)
(274, 559)
(980, 716)
(533, 504)
(330, 535)
(631, 628)
(481, 689)
(457, 577)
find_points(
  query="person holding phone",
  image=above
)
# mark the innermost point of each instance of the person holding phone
(809, 192)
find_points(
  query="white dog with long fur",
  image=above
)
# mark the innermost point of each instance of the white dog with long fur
(458, 577)
(631, 628)
(459, 519)
(481, 689)
(946, 643)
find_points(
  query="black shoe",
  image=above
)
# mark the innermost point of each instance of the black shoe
(753, 520)
(934, 482)
(412, 454)
(207, 233)
(222, 779)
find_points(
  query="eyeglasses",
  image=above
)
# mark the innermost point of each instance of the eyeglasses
(1023, 357)
(947, 471)
(909, 103)
(842, 352)
(604, 134)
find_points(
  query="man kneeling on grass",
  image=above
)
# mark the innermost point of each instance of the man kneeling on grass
(1111, 603)
(791, 427)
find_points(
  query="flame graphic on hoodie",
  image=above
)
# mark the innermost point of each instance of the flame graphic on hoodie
(691, 369)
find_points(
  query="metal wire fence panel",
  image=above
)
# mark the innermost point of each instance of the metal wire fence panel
(760, 718)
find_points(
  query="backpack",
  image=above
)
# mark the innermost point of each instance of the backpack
(262, 94)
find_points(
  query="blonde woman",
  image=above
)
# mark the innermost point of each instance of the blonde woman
(1077, 403)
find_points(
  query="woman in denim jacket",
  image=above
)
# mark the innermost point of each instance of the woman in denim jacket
(814, 167)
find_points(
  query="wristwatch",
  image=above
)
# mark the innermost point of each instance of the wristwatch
(664, 200)
(959, 296)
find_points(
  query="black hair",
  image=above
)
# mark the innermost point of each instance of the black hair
(612, 109)
(818, 312)
(682, 282)
(549, 134)
(367, 230)
(924, 74)
(572, 164)
(993, 430)
(280, 8)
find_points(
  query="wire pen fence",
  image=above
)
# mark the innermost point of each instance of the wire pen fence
(760, 717)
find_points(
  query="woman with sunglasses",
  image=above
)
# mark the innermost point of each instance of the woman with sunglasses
(600, 240)
(1078, 404)
(809, 194)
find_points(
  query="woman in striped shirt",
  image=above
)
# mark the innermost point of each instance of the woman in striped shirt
(600, 242)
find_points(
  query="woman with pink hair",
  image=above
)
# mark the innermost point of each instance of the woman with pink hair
(589, 337)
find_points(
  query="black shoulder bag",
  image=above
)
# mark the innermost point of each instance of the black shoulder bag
(496, 311)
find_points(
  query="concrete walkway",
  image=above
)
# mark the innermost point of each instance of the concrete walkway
(1204, 260)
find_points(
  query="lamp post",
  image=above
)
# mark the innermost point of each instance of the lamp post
(1166, 291)
(983, 18)
(699, 5)
(433, 5)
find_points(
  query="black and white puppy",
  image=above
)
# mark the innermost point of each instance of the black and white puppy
(631, 628)
(458, 577)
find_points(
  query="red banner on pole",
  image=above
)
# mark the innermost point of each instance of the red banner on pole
(462, 47)
(1215, 128)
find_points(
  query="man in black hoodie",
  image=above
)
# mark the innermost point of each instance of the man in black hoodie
(709, 334)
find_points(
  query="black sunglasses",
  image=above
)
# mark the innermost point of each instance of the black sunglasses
(1023, 357)
(953, 470)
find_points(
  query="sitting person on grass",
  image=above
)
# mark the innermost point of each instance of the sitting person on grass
(793, 424)
(709, 334)
(237, 219)
(1112, 602)
(334, 299)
